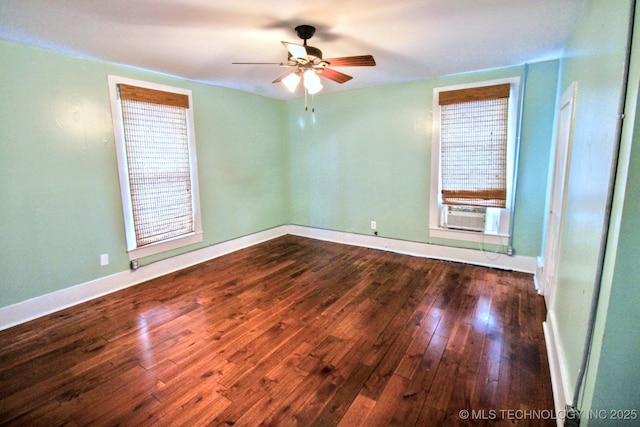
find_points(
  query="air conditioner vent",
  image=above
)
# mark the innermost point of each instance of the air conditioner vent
(469, 218)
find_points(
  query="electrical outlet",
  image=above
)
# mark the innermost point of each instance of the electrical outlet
(374, 225)
(104, 259)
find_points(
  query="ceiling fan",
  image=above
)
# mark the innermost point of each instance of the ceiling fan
(306, 63)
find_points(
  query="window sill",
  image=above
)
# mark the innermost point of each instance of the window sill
(469, 236)
(166, 245)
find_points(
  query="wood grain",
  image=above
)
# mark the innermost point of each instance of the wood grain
(292, 331)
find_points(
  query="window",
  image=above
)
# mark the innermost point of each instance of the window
(473, 160)
(155, 146)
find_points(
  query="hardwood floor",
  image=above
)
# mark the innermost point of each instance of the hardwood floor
(293, 331)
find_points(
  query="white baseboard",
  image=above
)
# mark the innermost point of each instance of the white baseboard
(46, 304)
(537, 277)
(425, 250)
(560, 388)
(49, 303)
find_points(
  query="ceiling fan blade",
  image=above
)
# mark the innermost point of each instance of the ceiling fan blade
(256, 63)
(284, 76)
(334, 75)
(352, 61)
(296, 50)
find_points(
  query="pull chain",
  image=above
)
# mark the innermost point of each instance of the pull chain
(306, 104)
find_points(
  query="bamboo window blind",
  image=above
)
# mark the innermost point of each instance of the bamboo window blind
(159, 169)
(473, 132)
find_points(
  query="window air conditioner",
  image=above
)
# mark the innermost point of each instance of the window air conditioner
(464, 217)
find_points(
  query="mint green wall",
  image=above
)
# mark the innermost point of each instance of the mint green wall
(618, 364)
(362, 156)
(594, 59)
(59, 193)
(537, 137)
(366, 155)
(614, 365)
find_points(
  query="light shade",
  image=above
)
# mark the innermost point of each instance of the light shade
(291, 81)
(312, 82)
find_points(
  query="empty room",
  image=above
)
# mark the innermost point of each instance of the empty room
(412, 213)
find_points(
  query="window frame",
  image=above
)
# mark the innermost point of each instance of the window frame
(134, 251)
(498, 220)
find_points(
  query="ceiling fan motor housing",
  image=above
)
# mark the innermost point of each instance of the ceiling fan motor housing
(305, 32)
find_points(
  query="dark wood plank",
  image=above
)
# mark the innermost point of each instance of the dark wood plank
(292, 331)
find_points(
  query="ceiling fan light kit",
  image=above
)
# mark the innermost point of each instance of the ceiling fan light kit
(291, 81)
(312, 82)
(306, 64)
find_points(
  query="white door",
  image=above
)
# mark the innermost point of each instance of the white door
(558, 186)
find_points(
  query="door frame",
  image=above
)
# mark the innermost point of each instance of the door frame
(557, 191)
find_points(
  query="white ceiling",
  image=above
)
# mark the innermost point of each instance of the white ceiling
(199, 39)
